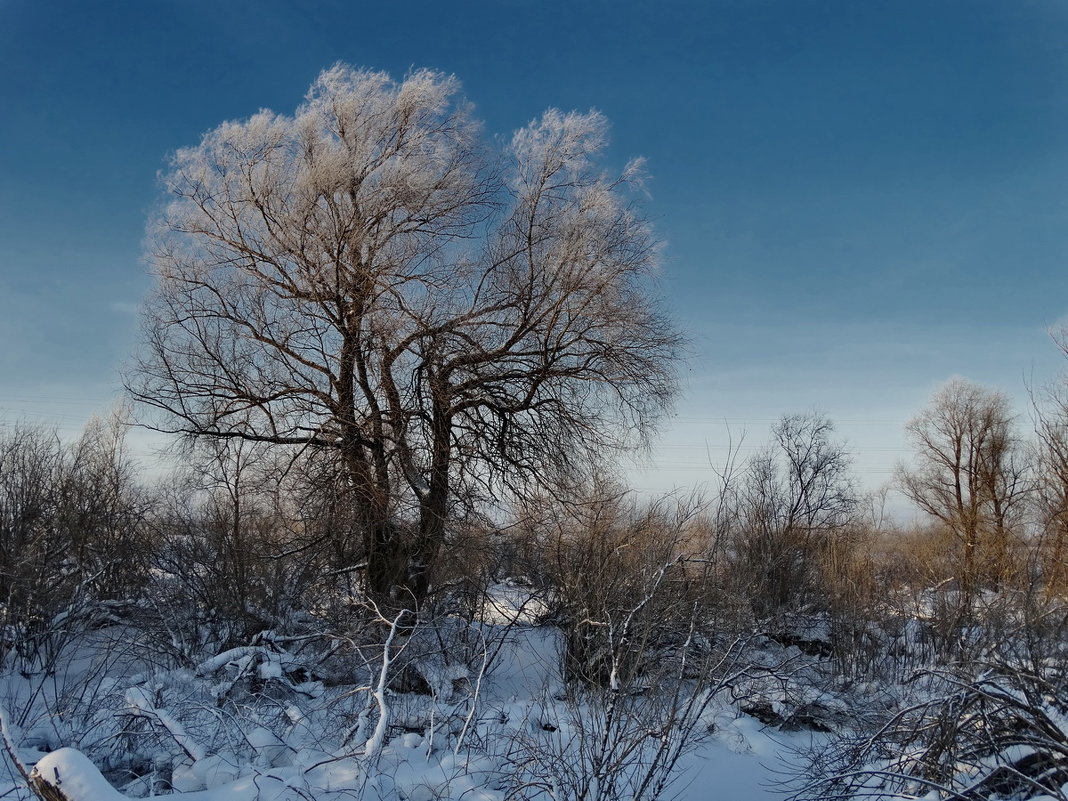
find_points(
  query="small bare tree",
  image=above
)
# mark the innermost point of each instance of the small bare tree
(969, 475)
(366, 278)
(793, 496)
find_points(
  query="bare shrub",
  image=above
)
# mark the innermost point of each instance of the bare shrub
(612, 742)
(72, 533)
(1000, 734)
(625, 588)
(245, 547)
(778, 513)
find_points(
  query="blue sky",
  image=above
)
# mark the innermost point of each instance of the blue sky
(859, 199)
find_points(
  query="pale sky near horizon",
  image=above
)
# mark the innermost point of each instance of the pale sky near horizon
(859, 199)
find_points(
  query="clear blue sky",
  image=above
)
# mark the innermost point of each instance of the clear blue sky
(860, 199)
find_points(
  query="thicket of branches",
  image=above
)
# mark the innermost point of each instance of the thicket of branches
(788, 585)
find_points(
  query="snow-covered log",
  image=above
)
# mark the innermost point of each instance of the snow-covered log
(68, 775)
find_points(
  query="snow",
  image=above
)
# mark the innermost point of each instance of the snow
(206, 749)
(512, 602)
(718, 771)
(111, 724)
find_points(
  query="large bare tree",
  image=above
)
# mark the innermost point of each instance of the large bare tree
(369, 279)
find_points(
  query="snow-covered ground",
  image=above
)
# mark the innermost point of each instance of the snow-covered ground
(744, 762)
(240, 726)
(106, 715)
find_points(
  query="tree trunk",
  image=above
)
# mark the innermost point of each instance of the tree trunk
(384, 544)
(434, 506)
